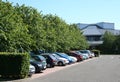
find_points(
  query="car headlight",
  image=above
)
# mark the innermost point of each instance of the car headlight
(39, 65)
(64, 60)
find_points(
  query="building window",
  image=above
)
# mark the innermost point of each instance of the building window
(93, 38)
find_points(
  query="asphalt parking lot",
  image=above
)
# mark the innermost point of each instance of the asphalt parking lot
(99, 69)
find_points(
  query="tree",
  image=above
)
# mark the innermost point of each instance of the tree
(117, 45)
(24, 28)
(12, 30)
(78, 40)
(61, 36)
(108, 41)
(33, 20)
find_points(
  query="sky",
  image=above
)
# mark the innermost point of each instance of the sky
(78, 11)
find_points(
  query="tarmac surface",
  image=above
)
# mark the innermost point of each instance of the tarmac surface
(105, 68)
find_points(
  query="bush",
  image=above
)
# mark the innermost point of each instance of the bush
(14, 65)
(96, 52)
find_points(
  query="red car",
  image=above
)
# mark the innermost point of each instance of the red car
(74, 54)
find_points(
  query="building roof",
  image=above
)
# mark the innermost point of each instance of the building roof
(104, 25)
(94, 29)
(91, 30)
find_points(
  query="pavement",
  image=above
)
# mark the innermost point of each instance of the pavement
(105, 68)
(48, 71)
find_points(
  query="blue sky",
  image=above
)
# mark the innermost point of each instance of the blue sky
(78, 11)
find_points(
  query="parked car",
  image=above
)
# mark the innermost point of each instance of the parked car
(87, 52)
(31, 70)
(92, 53)
(85, 55)
(50, 59)
(77, 55)
(61, 61)
(74, 59)
(63, 55)
(37, 65)
(41, 59)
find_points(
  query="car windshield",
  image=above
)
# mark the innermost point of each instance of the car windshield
(31, 60)
(78, 52)
(56, 56)
(53, 57)
(63, 54)
(83, 51)
(41, 57)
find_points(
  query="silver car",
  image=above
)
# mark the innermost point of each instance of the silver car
(61, 61)
(31, 70)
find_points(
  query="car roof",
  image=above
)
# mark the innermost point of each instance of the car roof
(45, 54)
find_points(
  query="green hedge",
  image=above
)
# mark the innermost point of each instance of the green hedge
(96, 52)
(14, 65)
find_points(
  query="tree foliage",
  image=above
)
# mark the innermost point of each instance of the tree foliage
(108, 46)
(12, 30)
(24, 28)
(117, 45)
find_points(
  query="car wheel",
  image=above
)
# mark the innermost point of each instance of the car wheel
(30, 75)
(48, 65)
(53, 66)
(60, 64)
(38, 70)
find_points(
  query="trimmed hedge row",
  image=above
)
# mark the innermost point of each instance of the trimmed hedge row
(14, 65)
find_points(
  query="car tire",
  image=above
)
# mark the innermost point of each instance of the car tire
(48, 65)
(60, 63)
(30, 75)
(38, 70)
